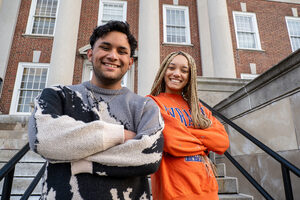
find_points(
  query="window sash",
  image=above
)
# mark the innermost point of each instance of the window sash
(246, 31)
(42, 17)
(176, 24)
(112, 10)
(293, 25)
(30, 81)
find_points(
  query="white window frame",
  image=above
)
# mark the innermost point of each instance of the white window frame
(290, 36)
(30, 21)
(16, 92)
(255, 31)
(187, 23)
(100, 13)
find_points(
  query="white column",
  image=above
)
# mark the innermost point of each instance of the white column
(221, 39)
(8, 18)
(215, 39)
(205, 39)
(149, 48)
(64, 43)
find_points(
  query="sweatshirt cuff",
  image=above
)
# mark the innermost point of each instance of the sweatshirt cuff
(113, 135)
(81, 166)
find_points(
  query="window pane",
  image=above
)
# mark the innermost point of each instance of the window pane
(295, 43)
(247, 35)
(112, 11)
(44, 18)
(294, 31)
(32, 83)
(244, 23)
(176, 27)
(246, 40)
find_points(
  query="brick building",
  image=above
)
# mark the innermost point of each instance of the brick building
(44, 42)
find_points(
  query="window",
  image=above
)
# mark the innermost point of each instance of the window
(293, 25)
(112, 10)
(31, 79)
(42, 17)
(246, 30)
(176, 24)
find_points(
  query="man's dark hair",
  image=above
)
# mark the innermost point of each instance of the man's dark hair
(110, 26)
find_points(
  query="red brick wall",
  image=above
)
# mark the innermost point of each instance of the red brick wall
(193, 50)
(273, 33)
(22, 51)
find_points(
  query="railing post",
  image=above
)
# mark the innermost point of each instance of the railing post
(287, 183)
(6, 190)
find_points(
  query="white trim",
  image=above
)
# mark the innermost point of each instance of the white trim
(248, 76)
(30, 20)
(286, 21)
(287, 1)
(187, 23)
(15, 97)
(255, 27)
(87, 70)
(100, 12)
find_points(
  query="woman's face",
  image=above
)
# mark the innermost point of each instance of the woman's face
(177, 75)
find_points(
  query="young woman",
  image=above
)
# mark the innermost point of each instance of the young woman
(190, 132)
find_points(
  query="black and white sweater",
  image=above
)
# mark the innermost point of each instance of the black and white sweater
(81, 135)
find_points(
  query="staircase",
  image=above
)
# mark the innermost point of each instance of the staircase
(13, 136)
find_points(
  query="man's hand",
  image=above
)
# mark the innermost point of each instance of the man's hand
(129, 135)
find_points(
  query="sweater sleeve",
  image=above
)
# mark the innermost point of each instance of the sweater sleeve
(60, 138)
(215, 137)
(136, 157)
(179, 141)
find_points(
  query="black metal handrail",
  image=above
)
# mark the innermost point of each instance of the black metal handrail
(286, 166)
(33, 184)
(8, 170)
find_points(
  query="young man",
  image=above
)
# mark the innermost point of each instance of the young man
(100, 140)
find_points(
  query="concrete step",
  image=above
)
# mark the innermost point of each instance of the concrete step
(26, 169)
(18, 197)
(221, 170)
(30, 156)
(20, 184)
(13, 134)
(235, 197)
(12, 144)
(228, 185)
(13, 122)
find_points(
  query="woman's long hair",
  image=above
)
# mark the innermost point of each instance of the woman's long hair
(189, 92)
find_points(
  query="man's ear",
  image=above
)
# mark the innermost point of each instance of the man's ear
(130, 63)
(90, 54)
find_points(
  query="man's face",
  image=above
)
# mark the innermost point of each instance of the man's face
(111, 60)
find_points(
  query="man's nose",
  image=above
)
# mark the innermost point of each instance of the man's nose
(112, 55)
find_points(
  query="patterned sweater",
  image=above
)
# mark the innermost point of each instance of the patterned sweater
(79, 130)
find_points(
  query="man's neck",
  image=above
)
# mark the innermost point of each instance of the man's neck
(116, 86)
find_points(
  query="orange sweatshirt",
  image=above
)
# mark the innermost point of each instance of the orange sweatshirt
(183, 173)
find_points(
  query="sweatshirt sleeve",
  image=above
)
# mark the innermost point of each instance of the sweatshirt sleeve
(215, 137)
(136, 157)
(179, 141)
(60, 138)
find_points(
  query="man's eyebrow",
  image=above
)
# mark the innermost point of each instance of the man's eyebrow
(106, 43)
(123, 48)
